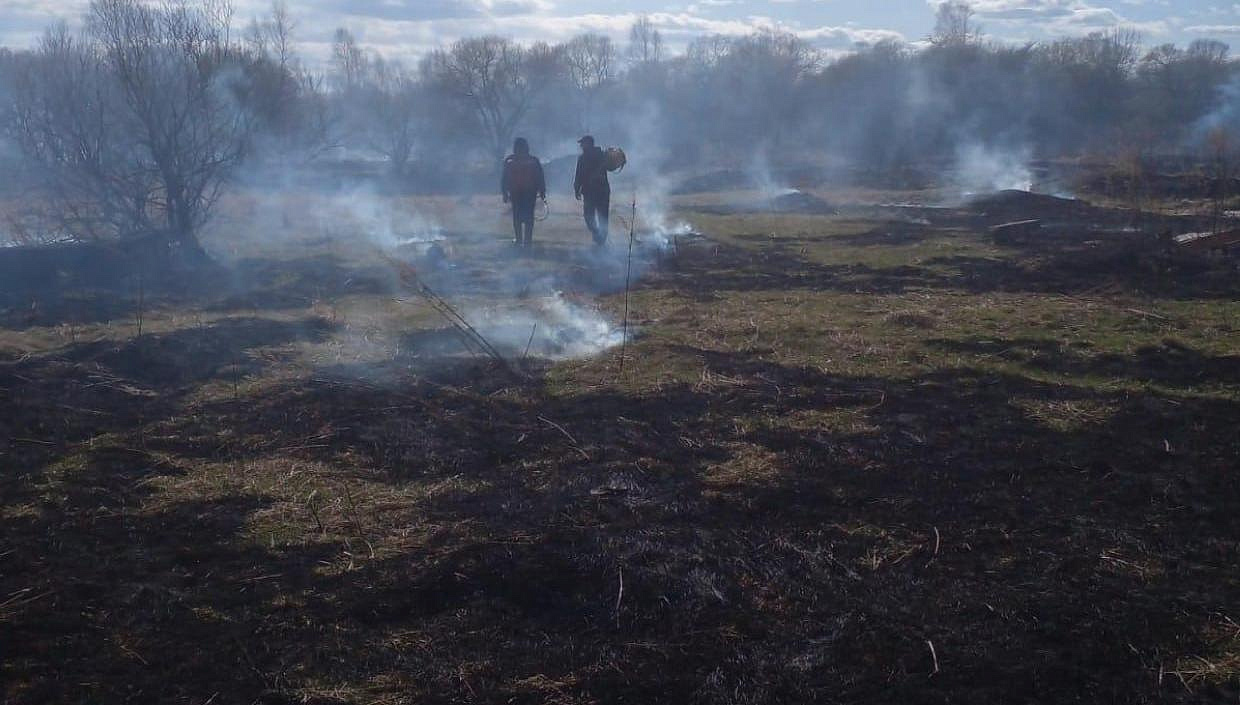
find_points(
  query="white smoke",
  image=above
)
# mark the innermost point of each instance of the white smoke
(1225, 117)
(662, 235)
(984, 169)
(519, 312)
(768, 184)
(550, 327)
(543, 323)
(645, 181)
(379, 218)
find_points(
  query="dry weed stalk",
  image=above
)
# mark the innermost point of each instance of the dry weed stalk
(628, 277)
(474, 341)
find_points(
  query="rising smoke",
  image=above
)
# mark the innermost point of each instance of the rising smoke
(396, 159)
(981, 169)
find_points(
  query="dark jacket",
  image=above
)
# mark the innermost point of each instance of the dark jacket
(591, 176)
(523, 176)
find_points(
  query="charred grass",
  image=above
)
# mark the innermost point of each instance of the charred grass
(840, 465)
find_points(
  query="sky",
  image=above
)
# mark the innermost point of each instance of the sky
(406, 29)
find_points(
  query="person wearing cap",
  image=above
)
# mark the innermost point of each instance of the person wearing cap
(592, 188)
(523, 183)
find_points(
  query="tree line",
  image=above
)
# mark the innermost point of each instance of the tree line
(134, 125)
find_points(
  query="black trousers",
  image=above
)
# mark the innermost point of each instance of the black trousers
(523, 217)
(597, 207)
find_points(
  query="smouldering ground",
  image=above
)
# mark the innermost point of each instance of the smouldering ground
(854, 458)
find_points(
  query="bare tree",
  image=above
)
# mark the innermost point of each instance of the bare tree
(590, 60)
(1209, 51)
(1086, 87)
(395, 99)
(69, 120)
(173, 65)
(953, 24)
(495, 78)
(1112, 54)
(768, 68)
(272, 37)
(705, 54)
(645, 43)
(137, 124)
(281, 93)
(348, 61)
(280, 29)
(1175, 87)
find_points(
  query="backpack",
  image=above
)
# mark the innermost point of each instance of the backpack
(522, 174)
(615, 159)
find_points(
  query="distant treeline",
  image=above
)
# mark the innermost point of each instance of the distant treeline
(135, 124)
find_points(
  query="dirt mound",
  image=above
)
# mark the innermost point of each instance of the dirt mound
(1057, 213)
(801, 202)
(803, 175)
(791, 202)
(1026, 202)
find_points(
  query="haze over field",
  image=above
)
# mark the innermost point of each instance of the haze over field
(432, 95)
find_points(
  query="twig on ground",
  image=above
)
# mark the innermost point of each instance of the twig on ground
(303, 447)
(559, 428)
(619, 595)
(19, 599)
(260, 578)
(78, 409)
(933, 655)
(573, 441)
(473, 340)
(1147, 314)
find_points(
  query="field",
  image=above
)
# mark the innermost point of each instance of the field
(865, 457)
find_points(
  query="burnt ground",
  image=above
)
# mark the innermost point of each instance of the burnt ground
(850, 459)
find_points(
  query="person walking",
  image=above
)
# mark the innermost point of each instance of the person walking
(522, 184)
(592, 188)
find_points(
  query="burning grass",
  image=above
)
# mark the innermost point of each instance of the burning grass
(851, 458)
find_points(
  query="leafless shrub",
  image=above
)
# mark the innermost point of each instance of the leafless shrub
(497, 78)
(136, 123)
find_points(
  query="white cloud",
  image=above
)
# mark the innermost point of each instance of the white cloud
(409, 38)
(408, 28)
(1055, 17)
(1214, 30)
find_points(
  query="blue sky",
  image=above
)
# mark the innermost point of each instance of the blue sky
(406, 28)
